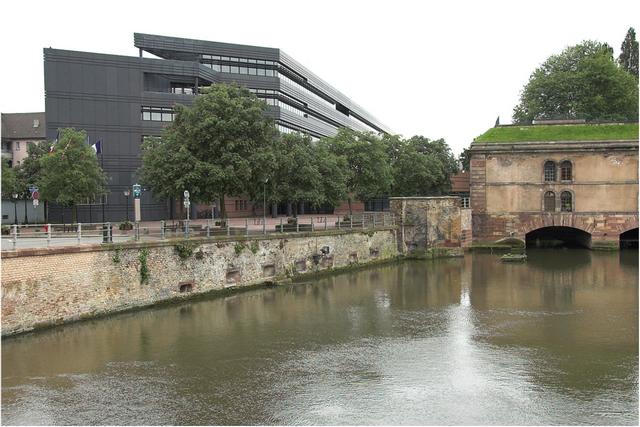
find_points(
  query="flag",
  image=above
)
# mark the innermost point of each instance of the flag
(97, 147)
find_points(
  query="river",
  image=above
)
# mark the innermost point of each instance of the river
(457, 341)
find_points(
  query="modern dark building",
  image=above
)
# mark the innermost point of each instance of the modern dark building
(120, 100)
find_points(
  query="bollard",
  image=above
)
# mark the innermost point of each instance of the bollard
(246, 227)
(79, 233)
(162, 225)
(48, 234)
(15, 235)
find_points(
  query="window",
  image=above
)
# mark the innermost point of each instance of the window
(157, 114)
(566, 202)
(17, 145)
(550, 171)
(565, 171)
(549, 201)
(182, 88)
(241, 205)
(465, 202)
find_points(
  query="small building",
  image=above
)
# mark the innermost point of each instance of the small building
(18, 131)
(556, 182)
(460, 187)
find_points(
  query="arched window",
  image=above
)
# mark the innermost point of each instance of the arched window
(566, 201)
(549, 171)
(549, 201)
(565, 170)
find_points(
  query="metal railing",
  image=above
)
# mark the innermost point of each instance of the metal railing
(45, 235)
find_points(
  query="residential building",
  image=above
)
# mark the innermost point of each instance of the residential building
(120, 100)
(19, 130)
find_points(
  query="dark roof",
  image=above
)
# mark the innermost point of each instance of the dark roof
(460, 182)
(21, 126)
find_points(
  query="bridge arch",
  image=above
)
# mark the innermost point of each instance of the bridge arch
(558, 236)
(629, 239)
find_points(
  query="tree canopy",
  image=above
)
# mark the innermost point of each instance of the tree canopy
(581, 82)
(71, 173)
(369, 173)
(628, 58)
(214, 148)
(8, 180)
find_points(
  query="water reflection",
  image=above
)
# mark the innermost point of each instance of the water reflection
(467, 340)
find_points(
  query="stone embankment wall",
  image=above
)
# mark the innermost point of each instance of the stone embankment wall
(43, 287)
(431, 222)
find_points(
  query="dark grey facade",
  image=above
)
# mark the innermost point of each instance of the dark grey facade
(120, 100)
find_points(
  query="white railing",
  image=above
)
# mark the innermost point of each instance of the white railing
(45, 235)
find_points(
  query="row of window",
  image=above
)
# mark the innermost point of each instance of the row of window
(251, 71)
(566, 201)
(241, 205)
(157, 114)
(182, 88)
(268, 93)
(285, 106)
(551, 171)
(284, 129)
(236, 59)
(304, 90)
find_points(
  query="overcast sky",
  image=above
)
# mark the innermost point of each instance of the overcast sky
(438, 69)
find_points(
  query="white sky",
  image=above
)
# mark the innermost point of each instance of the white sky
(439, 69)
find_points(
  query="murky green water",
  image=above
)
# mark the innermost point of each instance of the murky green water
(464, 341)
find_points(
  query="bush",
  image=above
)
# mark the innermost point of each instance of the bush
(6, 229)
(184, 249)
(125, 225)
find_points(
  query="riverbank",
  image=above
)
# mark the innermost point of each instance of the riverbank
(51, 286)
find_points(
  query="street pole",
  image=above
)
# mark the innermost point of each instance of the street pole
(127, 193)
(102, 198)
(15, 209)
(264, 206)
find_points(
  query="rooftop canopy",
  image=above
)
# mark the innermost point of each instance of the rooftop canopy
(565, 132)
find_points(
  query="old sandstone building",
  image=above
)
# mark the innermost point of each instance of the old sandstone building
(556, 182)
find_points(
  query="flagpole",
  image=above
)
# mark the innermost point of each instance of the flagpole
(102, 166)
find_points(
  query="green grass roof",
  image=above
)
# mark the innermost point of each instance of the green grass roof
(580, 132)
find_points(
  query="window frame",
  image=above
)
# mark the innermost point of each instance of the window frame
(544, 171)
(549, 196)
(571, 201)
(562, 169)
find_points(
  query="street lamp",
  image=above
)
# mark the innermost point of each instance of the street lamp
(15, 208)
(127, 193)
(264, 206)
(187, 204)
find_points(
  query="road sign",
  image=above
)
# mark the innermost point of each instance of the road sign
(137, 191)
(33, 188)
(36, 202)
(35, 195)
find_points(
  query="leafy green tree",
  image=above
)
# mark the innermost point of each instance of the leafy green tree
(465, 158)
(8, 180)
(71, 173)
(305, 171)
(628, 58)
(369, 172)
(582, 82)
(423, 167)
(30, 171)
(216, 147)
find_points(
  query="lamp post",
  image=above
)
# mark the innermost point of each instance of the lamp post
(264, 206)
(127, 193)
(15, 208)
(187, 204)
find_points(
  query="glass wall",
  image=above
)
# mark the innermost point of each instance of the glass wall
(157, 114)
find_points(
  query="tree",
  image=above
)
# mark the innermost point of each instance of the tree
(30, 171)
(305, 171)
(628, 58)
(423, 167)
(215, 148)
(369, 172)
(71, 173)
(582, 82)
(8, 180)
(465, 159)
